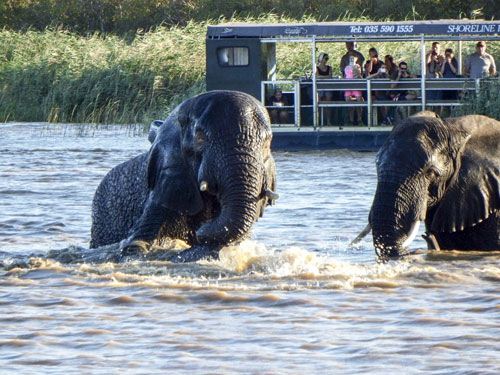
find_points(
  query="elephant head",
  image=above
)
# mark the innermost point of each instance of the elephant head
(445, 173)
(209, 169)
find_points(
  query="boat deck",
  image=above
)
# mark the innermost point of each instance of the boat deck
(356, 138)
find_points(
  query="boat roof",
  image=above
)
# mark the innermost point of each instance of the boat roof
(459, 29)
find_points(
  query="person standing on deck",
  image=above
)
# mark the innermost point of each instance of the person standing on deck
(353, 71)
(373, 65)
(351, 51)
(480, 64)
(324, 71)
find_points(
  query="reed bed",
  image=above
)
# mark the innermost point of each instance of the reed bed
(60, 76)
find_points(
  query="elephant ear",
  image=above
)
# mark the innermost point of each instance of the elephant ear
(170, 179)
(153, 130)
(474, 191)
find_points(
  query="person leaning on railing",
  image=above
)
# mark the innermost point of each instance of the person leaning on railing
(391, 71)
(434, 62)
(278, 115)
(405, 73)
(449, 70)
(405, 95)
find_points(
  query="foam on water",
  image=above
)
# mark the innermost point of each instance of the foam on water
(253, 266)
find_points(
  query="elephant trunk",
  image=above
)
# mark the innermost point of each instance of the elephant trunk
(240, 188)
(398, 207)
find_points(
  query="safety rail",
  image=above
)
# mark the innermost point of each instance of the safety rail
(302, 89)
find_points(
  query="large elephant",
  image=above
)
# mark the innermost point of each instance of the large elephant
(206, 179)
(445, 173)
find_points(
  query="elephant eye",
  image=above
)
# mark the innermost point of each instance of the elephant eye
(432, 172)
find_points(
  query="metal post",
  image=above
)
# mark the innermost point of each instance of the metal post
(459, 57)
(314, 88)
(263, 93)
(423, 69)
(296, 85)
(369, 99)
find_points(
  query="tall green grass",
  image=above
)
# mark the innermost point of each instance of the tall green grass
(59, 76)
(485, 102)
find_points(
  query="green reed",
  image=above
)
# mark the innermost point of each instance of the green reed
(484, 102)
(59, 76)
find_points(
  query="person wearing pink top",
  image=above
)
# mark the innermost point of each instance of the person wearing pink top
(353, 71)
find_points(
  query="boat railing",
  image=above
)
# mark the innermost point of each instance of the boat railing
(299, 93)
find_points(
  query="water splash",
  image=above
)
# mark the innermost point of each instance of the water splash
(253, 266)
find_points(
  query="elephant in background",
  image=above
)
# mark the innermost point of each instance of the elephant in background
(206, 179)
(445, 173)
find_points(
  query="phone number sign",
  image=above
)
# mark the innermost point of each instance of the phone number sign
(382, 29)
(428, 29)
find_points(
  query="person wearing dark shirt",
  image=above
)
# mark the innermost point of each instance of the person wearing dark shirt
(405, 73)
(278, 115)
(373, 64)
(391, 71)
(434, 60)
(449, 70)
(351, 50)
(450, 66)
(402, 95)
(324, 71)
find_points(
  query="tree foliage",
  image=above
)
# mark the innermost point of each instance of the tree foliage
(125, 16)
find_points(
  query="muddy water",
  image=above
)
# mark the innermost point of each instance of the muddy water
(296, 299)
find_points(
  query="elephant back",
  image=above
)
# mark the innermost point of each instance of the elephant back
(119, 201)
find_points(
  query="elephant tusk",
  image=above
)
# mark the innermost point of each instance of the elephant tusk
(272, 195)
(412, 234)
(203, 186)
(360, 236)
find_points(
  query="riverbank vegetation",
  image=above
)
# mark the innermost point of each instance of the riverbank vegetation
(127, 16)
(80, 74)
(59, 76)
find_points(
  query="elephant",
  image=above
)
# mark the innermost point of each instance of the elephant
(445, 172)
(207, 177)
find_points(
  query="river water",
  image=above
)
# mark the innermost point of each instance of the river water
(296, 299)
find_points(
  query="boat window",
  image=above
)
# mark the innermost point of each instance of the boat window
(232, 56)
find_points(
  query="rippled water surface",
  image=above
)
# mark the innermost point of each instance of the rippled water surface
(296, 299)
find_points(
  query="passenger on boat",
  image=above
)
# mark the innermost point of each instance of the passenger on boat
(353, 71)
(391, 71)
(435, 61)
(373, 64)
(449, 70)
(480, 64)
(351, 50)
(324, 71)
(405, 73)
(278, 115)
(402, 95)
